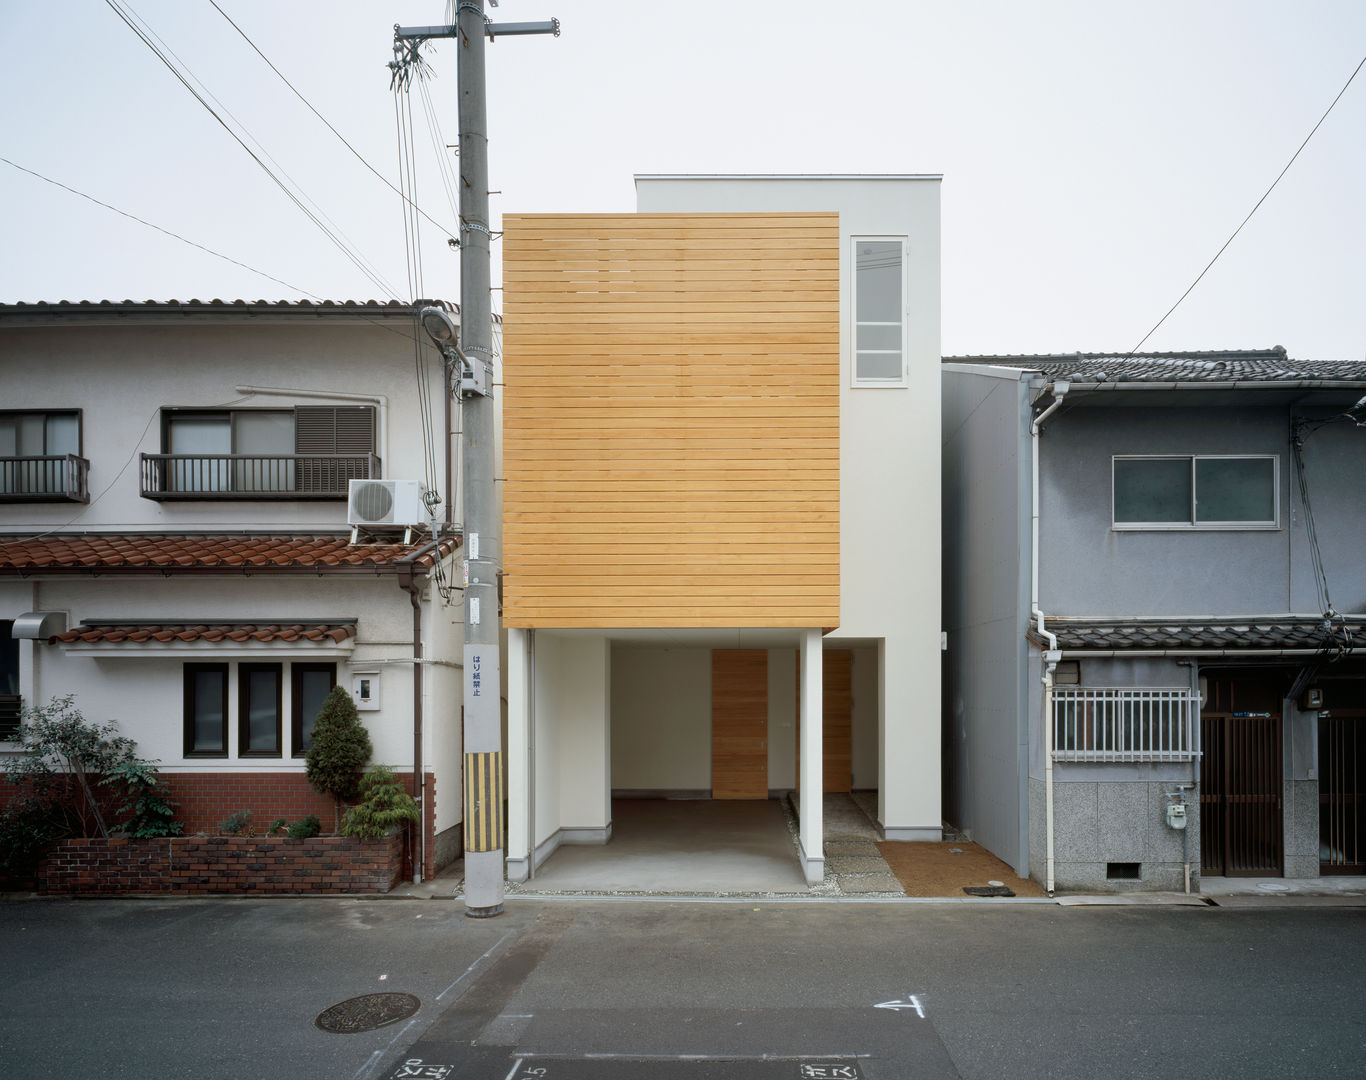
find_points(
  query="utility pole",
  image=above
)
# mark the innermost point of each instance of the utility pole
(484, 770)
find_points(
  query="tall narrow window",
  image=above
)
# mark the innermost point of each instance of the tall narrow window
(258, 706)
(10, 701)
(206, 710)
(310, 685)
(879, 312)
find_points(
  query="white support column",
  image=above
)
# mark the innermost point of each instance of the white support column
(812, 801)
(519, 756)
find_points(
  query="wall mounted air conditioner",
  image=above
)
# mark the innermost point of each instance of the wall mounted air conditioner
(385, 502)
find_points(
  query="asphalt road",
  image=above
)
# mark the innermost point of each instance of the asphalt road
(573, 990)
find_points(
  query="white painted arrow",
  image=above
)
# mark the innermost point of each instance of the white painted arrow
(912, 1002)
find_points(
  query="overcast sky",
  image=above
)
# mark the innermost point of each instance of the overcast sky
(1095, 155)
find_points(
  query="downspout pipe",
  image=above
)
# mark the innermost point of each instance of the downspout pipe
(408, 582)
(1051, 655)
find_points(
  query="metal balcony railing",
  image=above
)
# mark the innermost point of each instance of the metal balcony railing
(55, 478)
(1122, 724)
(253, 476)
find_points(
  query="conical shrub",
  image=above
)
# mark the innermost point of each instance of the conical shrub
(341, 747)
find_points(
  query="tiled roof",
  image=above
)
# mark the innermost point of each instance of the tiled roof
(224, 554)
(113, 307)
(1272, 632)
(1251, 366)
(225, 633)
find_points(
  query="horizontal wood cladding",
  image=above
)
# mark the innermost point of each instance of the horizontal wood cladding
(671, 420)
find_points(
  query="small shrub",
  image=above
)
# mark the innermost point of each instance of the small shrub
(341, 747)
(306, 828)
(384, 805)
(276, 827)
(238, 824)
(146, 809)
(28, 827)
(63, 751)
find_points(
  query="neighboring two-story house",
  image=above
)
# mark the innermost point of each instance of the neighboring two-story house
(721, 503)
(176, 546)
(1154, 603)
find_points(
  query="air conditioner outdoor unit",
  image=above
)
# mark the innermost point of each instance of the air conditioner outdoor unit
(385, 502)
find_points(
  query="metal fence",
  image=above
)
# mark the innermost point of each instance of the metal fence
(254, 476)
(1125, 724)
(55, 478)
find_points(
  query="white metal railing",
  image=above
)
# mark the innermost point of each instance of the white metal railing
(1125, 724)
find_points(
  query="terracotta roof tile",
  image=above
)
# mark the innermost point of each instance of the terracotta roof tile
(167, 633)
(134, 552)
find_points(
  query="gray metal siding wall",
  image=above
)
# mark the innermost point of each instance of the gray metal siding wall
(986, 602)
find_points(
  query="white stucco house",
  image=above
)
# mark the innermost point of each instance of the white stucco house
(176, 545)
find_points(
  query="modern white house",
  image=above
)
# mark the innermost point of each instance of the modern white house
(721, 504)
(177, 510)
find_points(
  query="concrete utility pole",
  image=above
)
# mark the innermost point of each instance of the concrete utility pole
(484, 773)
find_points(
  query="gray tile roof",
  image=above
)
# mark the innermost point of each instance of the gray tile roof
(44, 308)
(1242, 366)
(1268, 632)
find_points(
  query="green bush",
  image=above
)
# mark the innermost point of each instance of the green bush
(28, 827)
(384, 805)
(146, 809)
(238, 824)
(341, 747)
(63, 752)
(306, 828)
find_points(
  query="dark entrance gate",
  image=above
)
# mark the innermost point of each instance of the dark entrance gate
(1241, 780)
(1342, 792)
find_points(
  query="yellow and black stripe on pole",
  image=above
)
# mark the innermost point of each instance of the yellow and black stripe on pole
(484, 801)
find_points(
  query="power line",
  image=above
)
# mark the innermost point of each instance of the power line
(1239, 229)
(359, 157)
(353, 256)
(158, 228)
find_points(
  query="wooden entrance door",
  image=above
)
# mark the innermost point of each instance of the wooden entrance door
(837, 720)
(1241, 780)
(837, 682)
(1342, 792)
(739, 724)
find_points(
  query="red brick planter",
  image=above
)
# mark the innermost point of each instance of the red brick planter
(235, 865)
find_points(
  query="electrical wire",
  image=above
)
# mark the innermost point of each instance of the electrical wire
(145, 36)
(158, 228)
(1245, 220)
(359, 157)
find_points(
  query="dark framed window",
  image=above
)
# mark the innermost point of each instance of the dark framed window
(309, 686)
(1196, 491)
(10, 701)
(40, 455)
(258, 710)
(206, 710)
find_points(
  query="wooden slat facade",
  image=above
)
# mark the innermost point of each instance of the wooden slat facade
(671, 420)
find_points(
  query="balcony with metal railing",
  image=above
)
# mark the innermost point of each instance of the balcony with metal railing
(1125, 724)
(52, 478)
(253, 476)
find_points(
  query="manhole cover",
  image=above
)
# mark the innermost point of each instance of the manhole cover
(367, 1012)
(1275, 886)
(987, 890)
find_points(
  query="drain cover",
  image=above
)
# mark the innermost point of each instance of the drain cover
(987, 890)
(367, 1012)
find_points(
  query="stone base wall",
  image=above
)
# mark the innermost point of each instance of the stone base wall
(234, 865)
(1097, 824)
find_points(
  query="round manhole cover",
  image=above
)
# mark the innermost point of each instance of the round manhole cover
(367, 1012)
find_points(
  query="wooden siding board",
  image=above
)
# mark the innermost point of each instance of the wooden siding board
(671, 420)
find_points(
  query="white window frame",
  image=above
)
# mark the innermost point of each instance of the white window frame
(855, 379)
(1195, 525)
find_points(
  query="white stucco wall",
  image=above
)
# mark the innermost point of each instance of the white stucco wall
(122, 372)
(573, 719)
(661, 719)
(889, 464)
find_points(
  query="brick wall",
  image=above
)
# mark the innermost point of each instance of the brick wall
(237, 865)
(204, 799)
